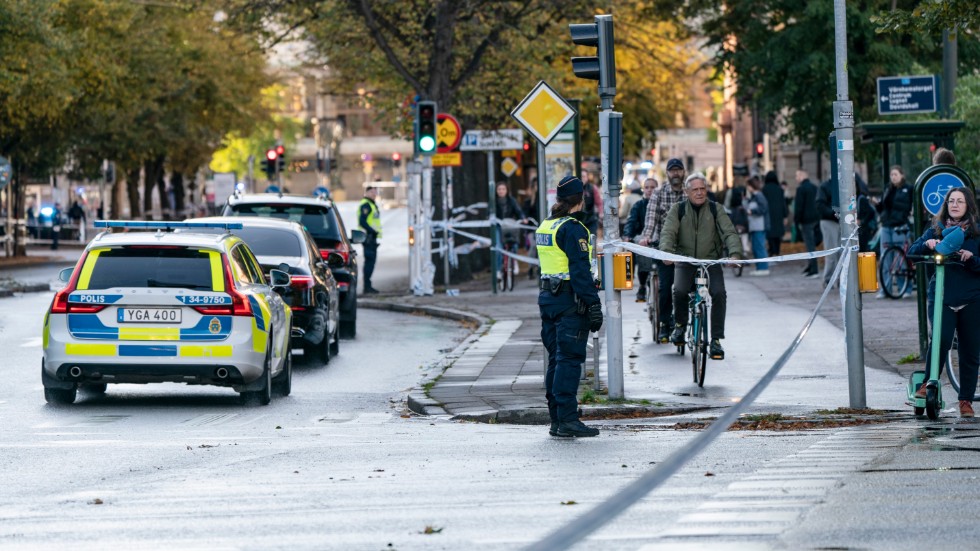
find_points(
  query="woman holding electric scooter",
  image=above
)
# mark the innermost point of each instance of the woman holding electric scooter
(956, 221)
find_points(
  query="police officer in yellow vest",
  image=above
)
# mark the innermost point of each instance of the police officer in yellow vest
(569, 305)
(369, 221)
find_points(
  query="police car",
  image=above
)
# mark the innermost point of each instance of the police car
(158, 306)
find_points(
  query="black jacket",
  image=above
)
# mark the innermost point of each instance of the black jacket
(828, 198)
(637, 219)
(777, 209)
(962, 284)
(805, 203)
(896, 206)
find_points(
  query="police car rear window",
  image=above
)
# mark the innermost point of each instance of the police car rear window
(317, 219)
(151, 267)
(265, 241)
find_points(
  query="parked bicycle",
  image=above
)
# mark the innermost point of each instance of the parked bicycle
(896, 271)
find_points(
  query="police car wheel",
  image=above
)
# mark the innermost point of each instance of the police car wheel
(283, 382)
(263, 394)
(60, 396)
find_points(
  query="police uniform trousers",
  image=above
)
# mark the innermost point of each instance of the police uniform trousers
(565, 334)
(370, 258)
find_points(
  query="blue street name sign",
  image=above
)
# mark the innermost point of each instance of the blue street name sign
(934, 190)
(901, 95)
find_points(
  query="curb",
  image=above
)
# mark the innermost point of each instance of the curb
(29, 288)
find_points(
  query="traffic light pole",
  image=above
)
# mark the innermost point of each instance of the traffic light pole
(428, 269)
(492, 214)
(844, 125)
(611, 143)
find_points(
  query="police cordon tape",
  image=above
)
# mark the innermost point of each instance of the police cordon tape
(577, 530)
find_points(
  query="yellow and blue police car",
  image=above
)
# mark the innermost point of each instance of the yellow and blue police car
(163, 306)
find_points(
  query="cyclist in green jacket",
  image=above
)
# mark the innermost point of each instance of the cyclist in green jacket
(699, 228)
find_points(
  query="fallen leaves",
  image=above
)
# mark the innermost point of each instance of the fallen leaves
(96, 501)
(431, 530)
(569, 502)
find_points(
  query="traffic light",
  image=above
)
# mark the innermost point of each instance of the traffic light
(760, 149)
(425, 128)
(396, 159)
(602, 66)
(280, 158)
(269, 163)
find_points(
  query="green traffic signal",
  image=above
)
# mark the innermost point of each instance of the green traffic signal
(425, 128)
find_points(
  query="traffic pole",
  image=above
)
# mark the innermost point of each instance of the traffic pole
(492, 215)
(844, 125)
(611, 142)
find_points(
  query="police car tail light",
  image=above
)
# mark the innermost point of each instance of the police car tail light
(60, 304)
(240, 305)
(215, 310)
(85, 308)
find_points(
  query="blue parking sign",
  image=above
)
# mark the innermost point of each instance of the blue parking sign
(934, 190)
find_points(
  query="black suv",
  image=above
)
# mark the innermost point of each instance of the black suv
(313, 293)
(319, 216)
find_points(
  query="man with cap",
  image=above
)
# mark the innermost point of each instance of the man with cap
(569, 305)
(657, 208)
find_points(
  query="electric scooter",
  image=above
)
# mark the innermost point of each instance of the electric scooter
(933, 402)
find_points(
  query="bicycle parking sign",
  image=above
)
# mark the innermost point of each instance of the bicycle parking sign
(934, 190)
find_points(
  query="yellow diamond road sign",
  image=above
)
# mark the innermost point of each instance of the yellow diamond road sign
(508, 166)
(543, 112)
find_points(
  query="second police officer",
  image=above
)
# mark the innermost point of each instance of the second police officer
(569, 305)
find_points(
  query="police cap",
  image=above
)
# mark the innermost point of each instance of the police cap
(569, 185)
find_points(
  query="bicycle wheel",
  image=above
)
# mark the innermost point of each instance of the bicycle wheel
(893, 272)
(653, 303)
(701, 338)
(509, 273)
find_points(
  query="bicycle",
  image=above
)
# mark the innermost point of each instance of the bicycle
(653, 302)
(953, 367)
(896, 271)
(697, 328)
(508, 265)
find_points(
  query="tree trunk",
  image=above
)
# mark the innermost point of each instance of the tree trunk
(133, 189)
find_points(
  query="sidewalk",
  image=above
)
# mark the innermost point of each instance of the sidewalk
(497, 374)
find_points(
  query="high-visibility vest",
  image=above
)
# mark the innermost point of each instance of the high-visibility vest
(373, 219)
(554, 261)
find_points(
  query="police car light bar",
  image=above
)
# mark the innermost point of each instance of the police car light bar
(164, 225)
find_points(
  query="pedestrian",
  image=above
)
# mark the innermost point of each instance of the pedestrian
(867, 217)
(895, 208)
(943, 156)
(569, 305)
(806, 218)
(530, 208)
(634, 226)
(632, 197)
(592, 206)
(507, 209)
(698, 228)
(657, 209)
(777, 212)
(32, 220)
(55, 225)
(961, 297)
(757, 208)
(369, 221)
(828, 205)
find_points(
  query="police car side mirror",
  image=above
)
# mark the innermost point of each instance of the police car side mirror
(279, 278)
(65, 275)
(357, 236)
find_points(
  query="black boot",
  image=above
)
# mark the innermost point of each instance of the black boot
(554, 428)
(677, 337)
(716, 351)
(576, 429)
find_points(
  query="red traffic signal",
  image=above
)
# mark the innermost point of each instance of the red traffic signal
(280, 150)
(271, 154)
(760, 148)
(396, 156)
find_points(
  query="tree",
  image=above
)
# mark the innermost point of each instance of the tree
(476, 58)
(967, 108)
(782, 55)
(932, 17)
